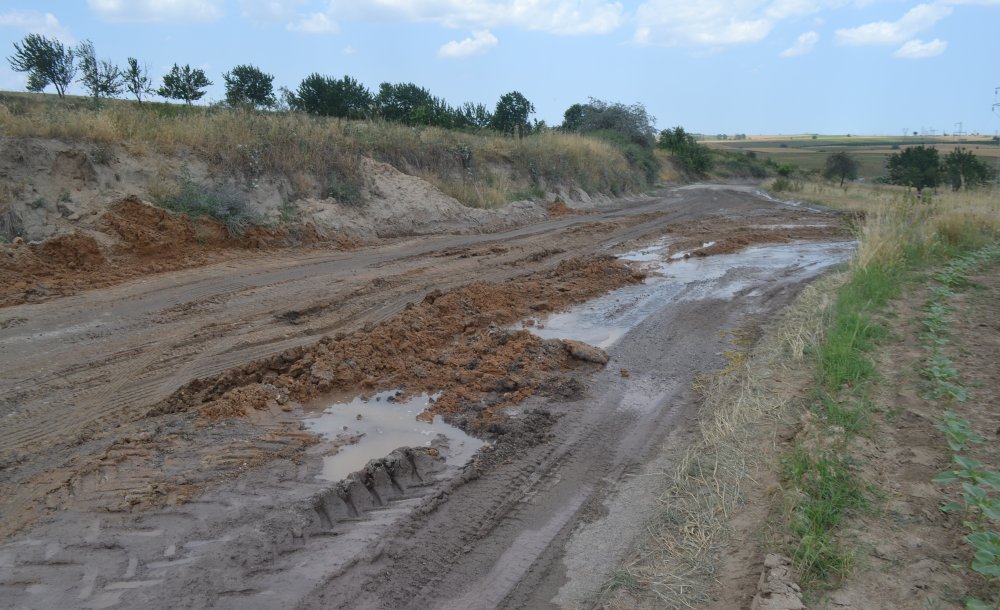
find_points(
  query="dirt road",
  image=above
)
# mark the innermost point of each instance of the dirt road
(535, 521)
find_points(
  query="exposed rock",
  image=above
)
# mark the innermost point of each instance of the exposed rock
(777, 589)
(587, 353)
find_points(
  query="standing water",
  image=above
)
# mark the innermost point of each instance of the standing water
(603, 321)
(372, 428)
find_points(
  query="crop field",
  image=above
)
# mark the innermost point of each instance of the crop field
(809, 152)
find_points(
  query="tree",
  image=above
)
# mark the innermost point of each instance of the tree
(136, 80)
(46, 61)
(184, 84)
(841, 165)
(693, 157)
(100, 77)
(634, 122)
(400, 102)
(249, 87)
(326, 96)
(963, 169)
(917, 166)
(476, 116)
(511, 114)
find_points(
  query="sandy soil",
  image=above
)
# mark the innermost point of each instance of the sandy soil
(177, 472)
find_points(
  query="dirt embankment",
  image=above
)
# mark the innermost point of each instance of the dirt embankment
(138, 239)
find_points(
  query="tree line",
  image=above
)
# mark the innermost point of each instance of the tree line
(47, 62)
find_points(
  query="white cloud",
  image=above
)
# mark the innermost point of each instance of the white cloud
(314, 23)
(918, 49)
(480, 42)
(270, 10)
(565, 17)
(148, 11)
(803, 45)
(917, 19)
(34, 22)
(709, 22)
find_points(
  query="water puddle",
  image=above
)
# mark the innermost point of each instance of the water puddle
(603, 321)
(372, 428)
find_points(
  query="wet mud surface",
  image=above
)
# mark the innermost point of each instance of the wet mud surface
(181, 471)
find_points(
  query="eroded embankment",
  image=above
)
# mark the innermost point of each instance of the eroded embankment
(136, 239)
(453, 343)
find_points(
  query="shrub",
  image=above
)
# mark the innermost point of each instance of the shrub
(222, 203)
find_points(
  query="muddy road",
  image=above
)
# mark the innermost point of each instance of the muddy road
(124, 484)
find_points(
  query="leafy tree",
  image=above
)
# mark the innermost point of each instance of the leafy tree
(511, 114)
(634, 122)
(917, 166)
(693, 157)
(841, 165)
(476, 116)
(47, 62)
(249, 87)
(400, 102)
(100, 77)
(963, 169)
(184, 84)
(136, 80)
(327, 96)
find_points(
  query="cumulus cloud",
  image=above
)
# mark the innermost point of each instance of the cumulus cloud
(480, 42)
(917, 19)
(314, 23)
(149, 11)
(270, 10)
(34, 22)
(709, 22)
(803, 45)
(918, 49)
(565, 17)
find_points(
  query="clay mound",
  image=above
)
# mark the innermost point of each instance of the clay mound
(72, 250)
(146, 230)
(559, 208)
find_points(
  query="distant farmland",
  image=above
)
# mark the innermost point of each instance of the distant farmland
(810, 152)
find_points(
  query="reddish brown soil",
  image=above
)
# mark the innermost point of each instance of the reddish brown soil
(149, 240)
(559, 208)
(764, 229)
(453, 343)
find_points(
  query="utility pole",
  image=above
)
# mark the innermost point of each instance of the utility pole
(958, 131)
(996, 110)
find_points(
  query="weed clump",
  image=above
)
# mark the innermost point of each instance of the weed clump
(222, 203)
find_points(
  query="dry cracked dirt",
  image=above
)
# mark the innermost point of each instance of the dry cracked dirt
(156, 449)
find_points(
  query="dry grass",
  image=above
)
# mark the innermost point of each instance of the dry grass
(677, 564)
(480, 170)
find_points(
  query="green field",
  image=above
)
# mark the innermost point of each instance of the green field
(809, 152)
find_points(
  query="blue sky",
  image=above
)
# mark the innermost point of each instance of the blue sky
(713, 66)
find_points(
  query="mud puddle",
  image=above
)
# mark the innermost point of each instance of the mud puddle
(674, 278)
(370, 428)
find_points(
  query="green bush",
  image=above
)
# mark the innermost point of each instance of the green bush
(222, 203)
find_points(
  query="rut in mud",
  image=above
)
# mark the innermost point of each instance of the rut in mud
(197, 484)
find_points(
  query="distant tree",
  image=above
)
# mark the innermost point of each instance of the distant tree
(476, 116)
(633, 122)
(400, 102)
(137, 80)
(963, 169)
(693, 157)
(46, 61)
(841, 165)
(100, 77)
(249, 87)
(511, 114)
(326, 96)
(917, 166)
(184, 84)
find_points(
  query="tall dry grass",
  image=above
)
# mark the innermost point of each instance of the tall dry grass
(897, 224)
(483, 170)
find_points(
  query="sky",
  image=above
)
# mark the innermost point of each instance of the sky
(712, 66)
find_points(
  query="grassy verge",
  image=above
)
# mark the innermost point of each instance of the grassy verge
(822, 474)
(315, 154)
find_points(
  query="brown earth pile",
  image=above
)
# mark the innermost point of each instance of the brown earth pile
(453, 343)
(148, 240)
(766, 229)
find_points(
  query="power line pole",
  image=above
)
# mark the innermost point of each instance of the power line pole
(996, 110)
